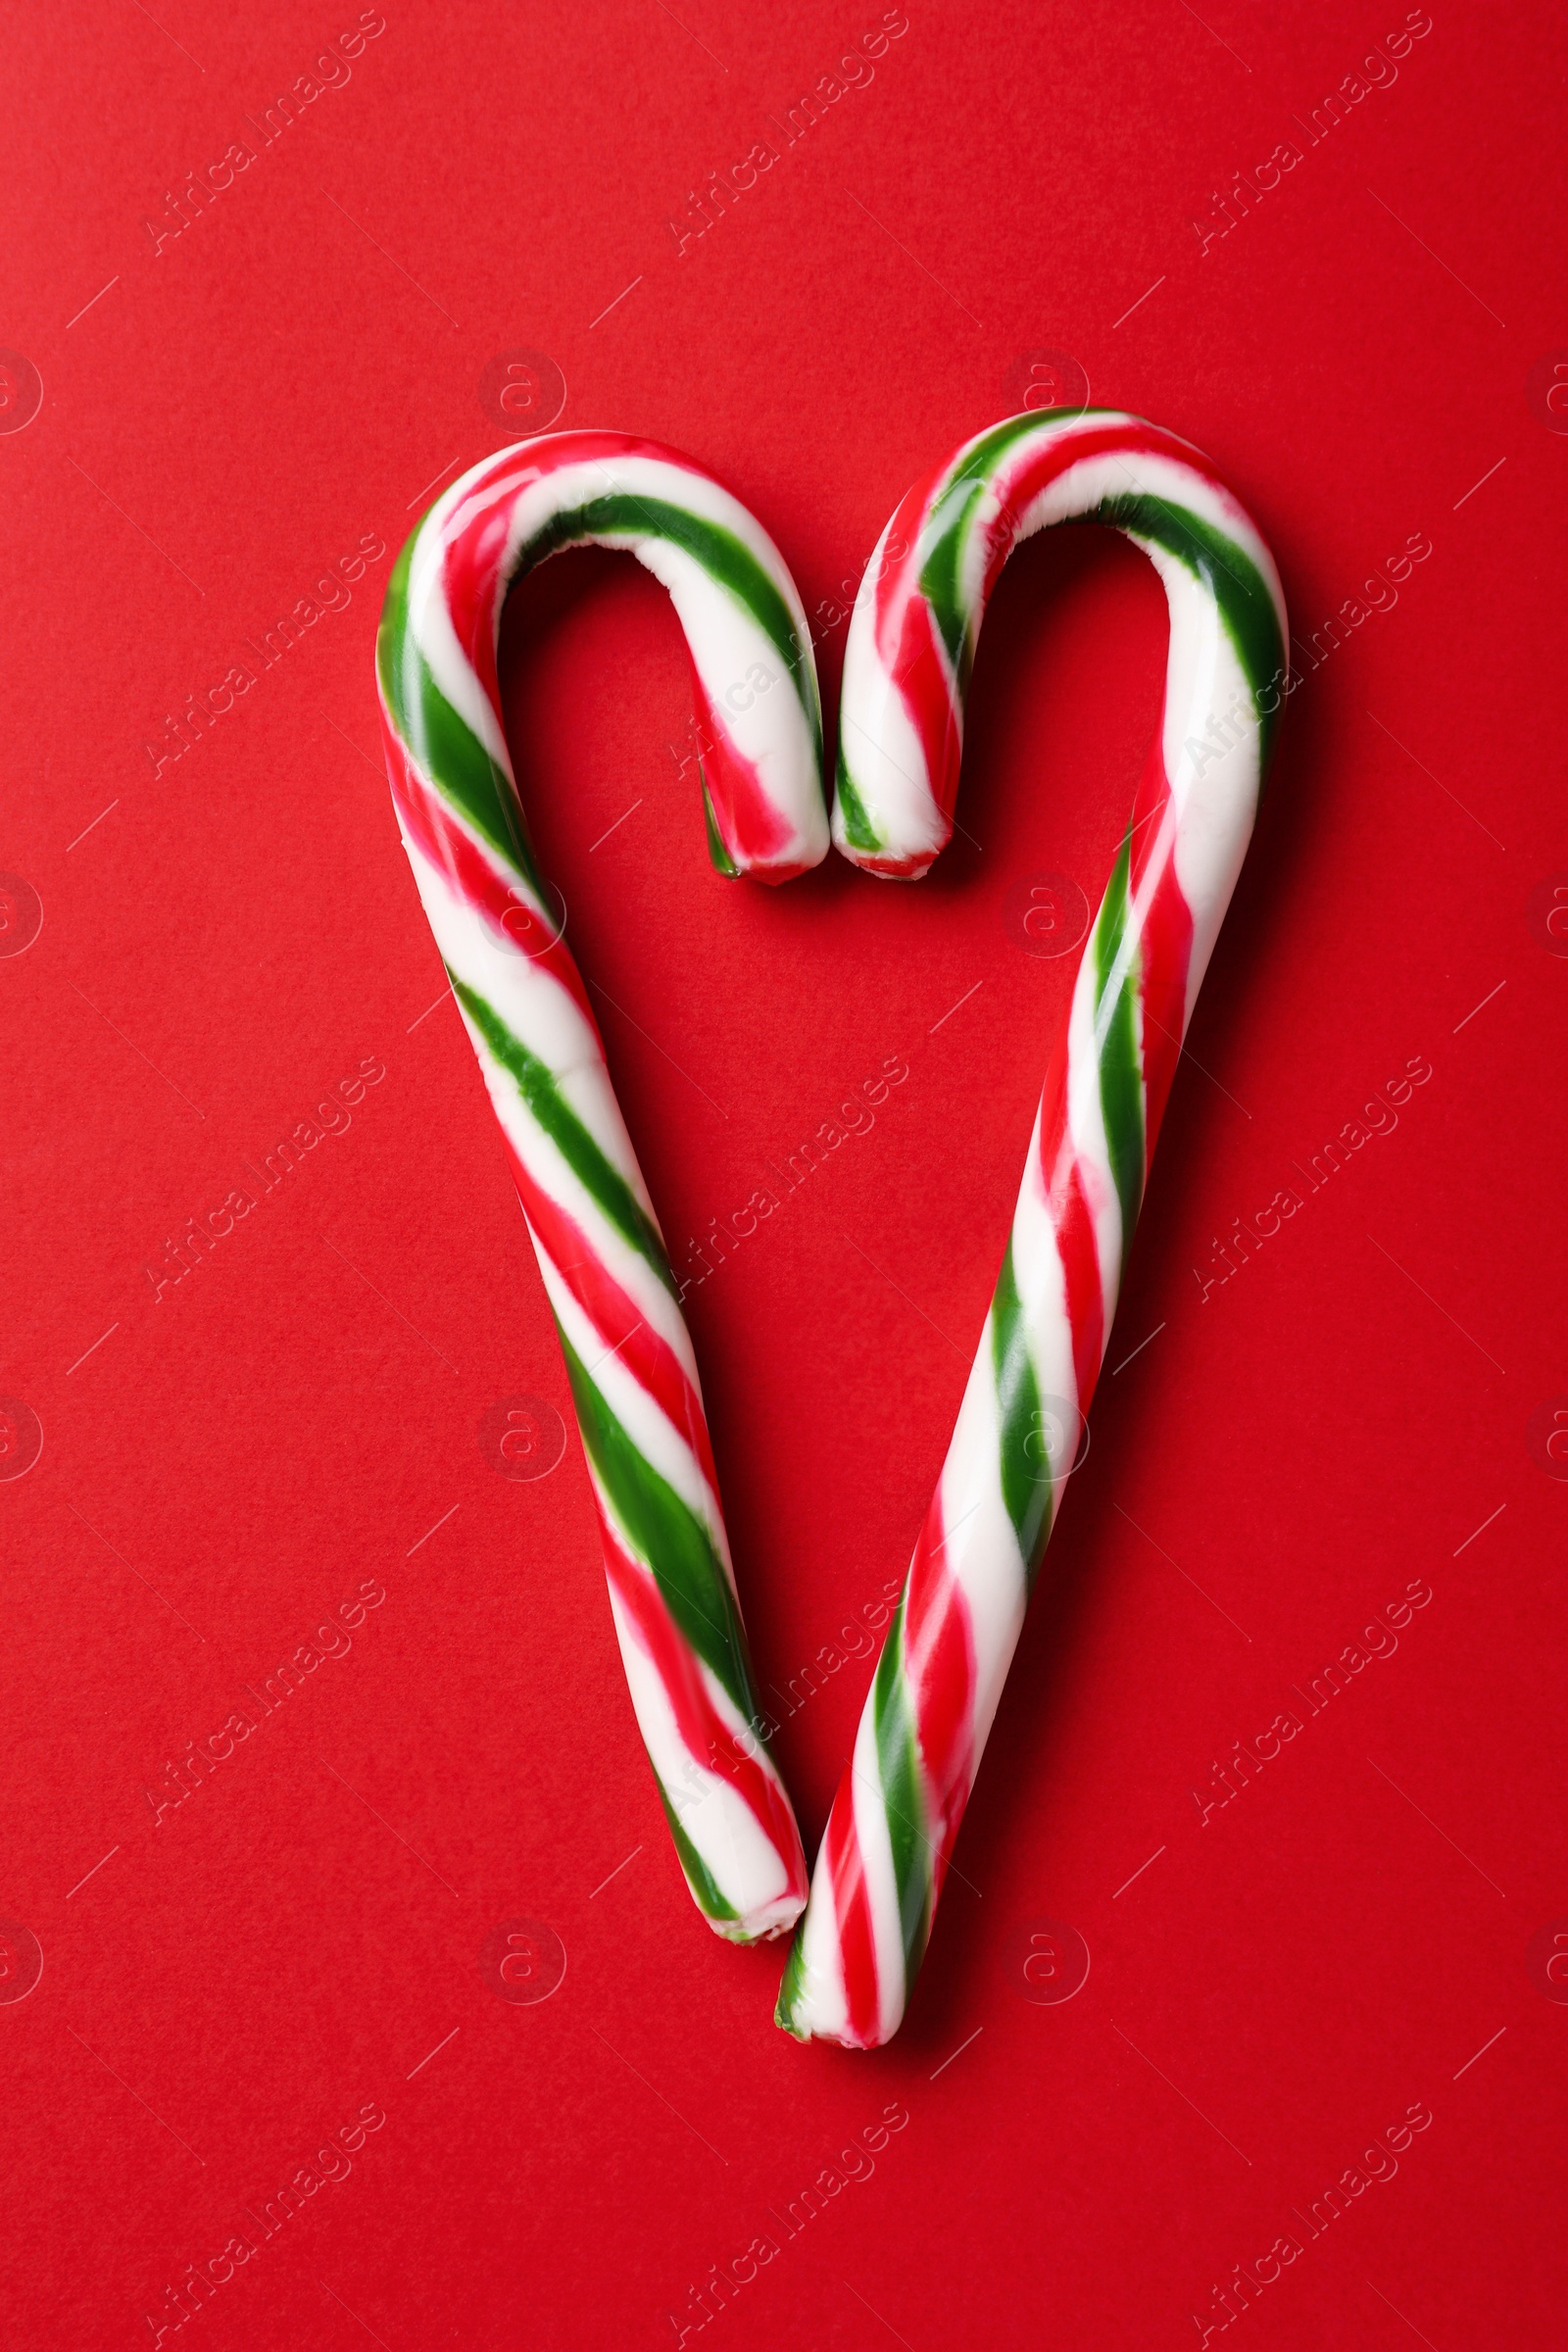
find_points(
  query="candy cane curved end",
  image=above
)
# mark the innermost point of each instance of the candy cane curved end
(755, 677)
(500, 931)
(923, 595)
(945, 1654)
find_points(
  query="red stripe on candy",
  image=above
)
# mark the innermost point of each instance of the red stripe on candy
(1166, 939)
(939, 1666)
(911, 652)
(706, 1736)
(475, 549)
(905, 636)
(852, 1908)
(441, 840)
(614, 1313)
(752, 828)
(1069, 1209)
(1039, 467)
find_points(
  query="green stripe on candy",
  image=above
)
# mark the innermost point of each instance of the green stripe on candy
(992, 447)
(899, 1768)
(1121, 1071)
(444, 745)
(1025, 1477)
(790, 1990)
(941, 573)
(665, 1532)
(722, 556)
(859, 829)
(703, 1882)
(537, 1085)
(1214, 558)
(1231, 578)
(718, 855)
(951, 512)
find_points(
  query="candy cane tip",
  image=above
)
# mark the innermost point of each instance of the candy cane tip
(735, 863)
(792, 2015)
(764, 1924)
(787, 2009)
(896, 843)
(888, 868)
(811, 2004)
(875, 848)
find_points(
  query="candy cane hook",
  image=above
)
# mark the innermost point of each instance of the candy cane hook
(606, 1271)
(907, 673)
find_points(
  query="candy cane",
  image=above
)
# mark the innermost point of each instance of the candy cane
(606, 1272)
(907, 671)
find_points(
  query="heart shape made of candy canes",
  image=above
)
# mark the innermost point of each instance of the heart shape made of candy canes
(627, 1353)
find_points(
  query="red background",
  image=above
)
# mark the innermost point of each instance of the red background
(237, 1978)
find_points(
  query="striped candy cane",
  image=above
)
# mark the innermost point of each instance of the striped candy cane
(627, 1353)
(907, 671)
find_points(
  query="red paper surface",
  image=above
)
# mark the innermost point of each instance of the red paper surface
(316, 1935)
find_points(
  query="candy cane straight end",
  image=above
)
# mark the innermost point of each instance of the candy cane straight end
(498, 927)
(906, 669)
(812, 2007)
